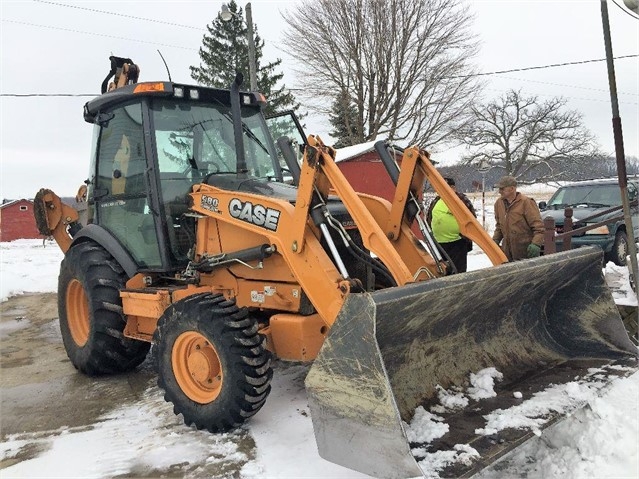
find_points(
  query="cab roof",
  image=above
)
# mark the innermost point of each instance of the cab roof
(165, 89)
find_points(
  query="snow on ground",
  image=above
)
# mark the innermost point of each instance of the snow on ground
(131, 438)
(598, 441)
(29, 266)
(601, 440)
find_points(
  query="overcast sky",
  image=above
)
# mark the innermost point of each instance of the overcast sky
(62, 47)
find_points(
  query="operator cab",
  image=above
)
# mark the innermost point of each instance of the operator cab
(153, 142)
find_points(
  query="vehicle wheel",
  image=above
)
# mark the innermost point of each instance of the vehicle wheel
(90, 310)
(211, 362)
(619, 250)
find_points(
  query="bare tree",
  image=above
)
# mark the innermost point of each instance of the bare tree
(528, 139)
(404, 64)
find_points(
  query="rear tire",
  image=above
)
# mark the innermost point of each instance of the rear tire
(211, 362)
(90, 310)
(619, 250)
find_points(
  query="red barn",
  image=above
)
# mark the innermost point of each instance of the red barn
(17, 221)
(366, 173)
(364, 170)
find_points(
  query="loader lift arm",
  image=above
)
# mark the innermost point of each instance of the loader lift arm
(416, 168)
(407, 261)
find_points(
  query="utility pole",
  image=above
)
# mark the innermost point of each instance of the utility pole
(619, 149)
(251, 46)
(483, 168)
(226, 15)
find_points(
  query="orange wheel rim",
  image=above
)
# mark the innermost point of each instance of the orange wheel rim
(196, 366)
(78, 312)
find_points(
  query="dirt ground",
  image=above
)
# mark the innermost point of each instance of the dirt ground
(41, 392)
(38, 376)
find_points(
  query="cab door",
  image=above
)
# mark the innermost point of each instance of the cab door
(120, 187)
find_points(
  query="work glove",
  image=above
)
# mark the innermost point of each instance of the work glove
(533, 250)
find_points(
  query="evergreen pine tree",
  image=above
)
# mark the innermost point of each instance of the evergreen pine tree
(343, 118)
(224, 52)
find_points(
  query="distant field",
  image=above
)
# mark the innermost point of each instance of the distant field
(539, 192)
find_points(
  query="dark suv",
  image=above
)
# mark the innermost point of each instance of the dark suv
(587, 198)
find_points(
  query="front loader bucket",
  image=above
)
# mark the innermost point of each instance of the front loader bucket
(537, 321)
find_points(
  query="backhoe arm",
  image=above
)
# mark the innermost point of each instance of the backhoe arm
(54, 218)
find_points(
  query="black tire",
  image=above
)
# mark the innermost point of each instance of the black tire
(211, 362)
(619, 250)
(90, 310)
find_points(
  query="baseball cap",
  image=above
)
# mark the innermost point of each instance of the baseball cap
(506, 181)
(450, 181)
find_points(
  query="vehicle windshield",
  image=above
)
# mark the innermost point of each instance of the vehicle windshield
(594, 196)
(196, 140)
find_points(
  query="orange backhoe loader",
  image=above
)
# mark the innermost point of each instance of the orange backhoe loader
(195, 243)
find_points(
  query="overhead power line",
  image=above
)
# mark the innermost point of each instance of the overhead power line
(134, 17)
(603, 90)
(94, 10)
(25, 95)
(542, 67)
(96, 34)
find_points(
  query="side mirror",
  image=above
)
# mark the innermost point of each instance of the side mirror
(542, 205)
(286, 123)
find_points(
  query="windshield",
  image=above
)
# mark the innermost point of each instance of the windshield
(196, 140)
(595, 196)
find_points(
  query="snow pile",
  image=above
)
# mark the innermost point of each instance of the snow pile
(29, 266)
(483, 383)
(617, 280)
(425, 427)
(450, 399)
(598, 441)
(532, 414)
(433, 463)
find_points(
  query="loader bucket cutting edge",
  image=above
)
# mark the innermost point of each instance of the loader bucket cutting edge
(388, 350)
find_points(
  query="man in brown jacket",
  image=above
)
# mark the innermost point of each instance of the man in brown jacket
(518, 226)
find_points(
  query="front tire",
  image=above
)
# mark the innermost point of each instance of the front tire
(211, 362)
(619, 250)
(90, 311)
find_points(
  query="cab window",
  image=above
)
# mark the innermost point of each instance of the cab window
(121, 185)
